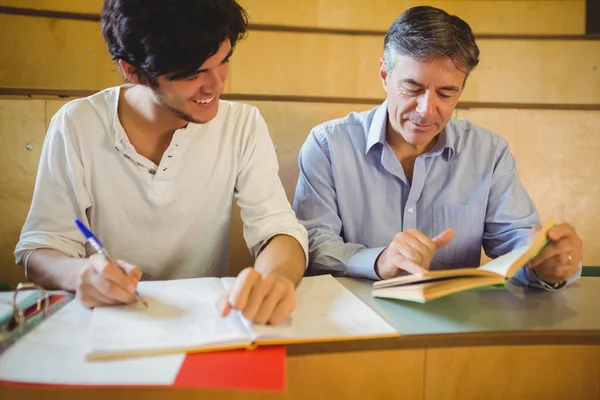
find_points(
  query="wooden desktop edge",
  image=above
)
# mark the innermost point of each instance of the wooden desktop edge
(470, 339)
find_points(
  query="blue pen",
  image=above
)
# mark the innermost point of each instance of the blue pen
(97, 245)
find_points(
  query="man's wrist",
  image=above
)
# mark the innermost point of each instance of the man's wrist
(546, 284)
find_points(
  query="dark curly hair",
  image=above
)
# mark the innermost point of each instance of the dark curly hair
(170, 37)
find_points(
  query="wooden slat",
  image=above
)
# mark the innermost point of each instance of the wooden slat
(498, 373)
(76, 6)
(54, 53)
(70, 55)
(293, 63)
(555, 17)
(491, 16)
(22, 122)
(516, 17)
(509, 71)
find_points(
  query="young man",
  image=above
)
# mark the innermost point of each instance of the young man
(152, 167)
(404, 187)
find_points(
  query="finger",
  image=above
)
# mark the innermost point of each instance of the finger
(283, 309)
(111, 290)
(90, 297)
(246, 280)
(257, 296)
(400, 262)
(554, 271)
(551, 250)
(424, 251)
(443, 238)
(223, 305)
(111, 273)
(271, 301)
(133, 271)
(406, 250)
(561, 231)
(424, 239)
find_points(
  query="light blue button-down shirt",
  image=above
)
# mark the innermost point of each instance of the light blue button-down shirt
(353, 196)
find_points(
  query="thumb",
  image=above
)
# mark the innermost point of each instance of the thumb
(443, 238)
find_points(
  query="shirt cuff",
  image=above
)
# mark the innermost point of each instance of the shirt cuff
(536, 282)
(362, 263)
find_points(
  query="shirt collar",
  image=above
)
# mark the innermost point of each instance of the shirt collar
(447, 141)
(376, 133)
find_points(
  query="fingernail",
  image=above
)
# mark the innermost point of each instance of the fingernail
(131, 288)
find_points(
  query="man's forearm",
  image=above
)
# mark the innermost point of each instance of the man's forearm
(53, 269)
(283, 256)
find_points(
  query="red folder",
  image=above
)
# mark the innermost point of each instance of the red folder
(260, 369)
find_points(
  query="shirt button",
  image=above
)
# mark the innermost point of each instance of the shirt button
(410, 210)
(152, 172)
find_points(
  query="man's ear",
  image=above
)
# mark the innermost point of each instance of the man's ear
(383, 73)
(130, 72)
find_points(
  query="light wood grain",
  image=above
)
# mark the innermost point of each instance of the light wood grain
(22, 122)
(510, 71)
(67, 54)
(293, 63)
(528, 372)
(485, 16)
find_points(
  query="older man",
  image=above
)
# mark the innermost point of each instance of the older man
(405, 187)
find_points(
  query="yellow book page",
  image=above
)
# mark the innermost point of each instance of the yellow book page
(433, 275)
(426, 291)
(508, 264)
(325, 311)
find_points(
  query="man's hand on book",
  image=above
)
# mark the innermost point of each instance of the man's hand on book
(260, 298)
(560, 259)
(411, 251)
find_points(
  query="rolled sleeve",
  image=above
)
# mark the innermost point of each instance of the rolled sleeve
(59, 197)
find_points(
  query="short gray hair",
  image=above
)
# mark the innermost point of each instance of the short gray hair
(426, 33)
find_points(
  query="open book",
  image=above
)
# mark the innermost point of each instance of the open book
(433, 284)
(182, 317)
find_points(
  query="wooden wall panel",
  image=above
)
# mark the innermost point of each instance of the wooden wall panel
(47, 53)
(391, 374)
(293, 63)
(510, 71)
(536, 71)
(78, 6)
(519, 372)
(485, 16)
(70, 55)
(556, 154)
(516, 17)
(22, 122)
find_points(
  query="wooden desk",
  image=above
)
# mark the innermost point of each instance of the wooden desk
(487, 344)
